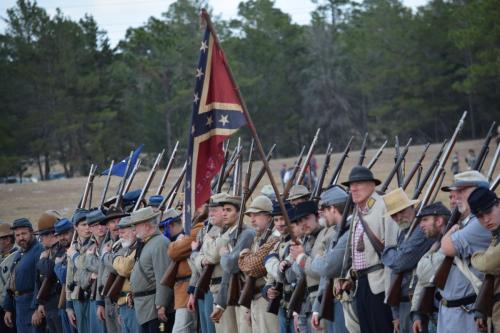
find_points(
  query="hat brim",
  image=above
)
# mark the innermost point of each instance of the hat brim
(114, 216)
(256, 210)
(349, 182)
(62, 231)
(299, 196)
(399, 209)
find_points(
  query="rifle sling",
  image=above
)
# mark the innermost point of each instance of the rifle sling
(376, 243)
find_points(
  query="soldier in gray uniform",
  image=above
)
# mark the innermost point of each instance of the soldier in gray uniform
(307, 216)
(78, 279)
(404, 256)
(328, 262)
(106, 310)
(234, 318)
(7, 249)
(151, 298)
(460, 242)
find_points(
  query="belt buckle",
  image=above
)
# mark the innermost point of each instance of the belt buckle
(444, 301)
(465, 308)
(354, 274)
(17, 293)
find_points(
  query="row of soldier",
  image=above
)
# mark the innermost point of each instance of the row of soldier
(79, 255)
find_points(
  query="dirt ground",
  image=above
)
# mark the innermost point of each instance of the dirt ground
(30, 200)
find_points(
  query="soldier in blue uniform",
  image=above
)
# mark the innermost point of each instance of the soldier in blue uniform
(21, 284)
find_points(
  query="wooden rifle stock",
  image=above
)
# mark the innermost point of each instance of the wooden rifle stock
(415, 168)
(203, 283)
(394, 297)
(109, 282)
(426, 302)
(234, 290)
(298, 295)
(247, 292)
(273, 306)
(484, 301)
(116, 288)
(61, 304)
(170, 274)
(326, 304)
(46, 288)
(340, 164)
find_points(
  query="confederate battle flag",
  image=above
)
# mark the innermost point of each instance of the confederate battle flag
(217, 114)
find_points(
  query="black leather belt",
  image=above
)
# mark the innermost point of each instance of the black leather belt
(312, 289)
(183, 279)
(496, 298)
(144, 293)
(216, 280)
(366, 271)
(22, 292)
(404, 299)
(455, 303)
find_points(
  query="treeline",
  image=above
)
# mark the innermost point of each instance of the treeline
(68, 97)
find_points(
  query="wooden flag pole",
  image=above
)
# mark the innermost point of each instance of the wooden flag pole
(251, 126)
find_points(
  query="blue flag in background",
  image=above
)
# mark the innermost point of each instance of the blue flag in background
(119, 168)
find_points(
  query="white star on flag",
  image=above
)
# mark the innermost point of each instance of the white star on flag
(196, 98)
(204, 46)
(209, 121)
(199, 73)
(223, 119)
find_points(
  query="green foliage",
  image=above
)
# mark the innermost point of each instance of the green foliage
(375, 66)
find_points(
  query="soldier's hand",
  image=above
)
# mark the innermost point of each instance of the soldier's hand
(296, 322)
(223, 250)
(417, 326)
(59, 260)
(204, 262)
(71, 251)
(44, 254)
(284, 265)
(101, 312)
(41, 309)
(36, 318)
(244, 251)
(7, 318)
(272, 293)
(481, 325)
(216, 314)
(106, 248)
(162, 314)
(191, 304)
(315, 321)
(194, 245)
(91, 250)
(396, 324)
(71, 317)
(296, 250)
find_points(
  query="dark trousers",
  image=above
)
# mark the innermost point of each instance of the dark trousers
(152, 326)
(374, 315)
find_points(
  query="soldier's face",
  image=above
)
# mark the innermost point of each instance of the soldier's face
(230, 215)
(404, 217)
(297, 230)
(127, 234)
(429, 225)
(453, 196)
(216, 215)
(5, 243)
(361, 191)
(295, 202)
(65, 238)
(329, 213)
(113, 227)
(462, 196)
(309, 223)
(491, 218)
(259, 221)
(48, 239)
(24, 237)
(98, 230)
(83, 230)
(280, 224)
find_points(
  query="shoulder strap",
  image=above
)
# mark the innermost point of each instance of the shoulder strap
(376, 243)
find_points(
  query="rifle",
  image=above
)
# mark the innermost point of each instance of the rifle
(362, 152)
(396, 167)
(112, 275)
(416, 167)
(234, 282)
(261, 172)
(301, 175)
(121, 187)
(376, 156)
(106, 186)
(484, 301)
(132, 175)
(399, 172)
(45, 290)
(340, 164)
(296, 167)
(493, 164)
(117, 286)
(428, 173)
(88, 186)
(319, 184)
(233, 161)
(173, 191)
(167, 170)
(394, 296)
(149, 180)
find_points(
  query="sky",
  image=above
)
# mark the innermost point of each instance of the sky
(115, 16)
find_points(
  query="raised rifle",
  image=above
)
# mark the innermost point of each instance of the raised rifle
(234, 282)
(362, 151)
(106, 185)
(319, 184)
(340, 164)
(430, 170)
(170, 164)
(149, 180)
(302, 172)
(169, 198)
(296, 167)
(416, 167)
(233, 161)
(218, 186)
(121, 187)
(493, 164)
(377, 155)
(399, 171)
(396, 167)
(394, 295)
(88, 186)
(485, 299)
(261, 172)
(132, 176)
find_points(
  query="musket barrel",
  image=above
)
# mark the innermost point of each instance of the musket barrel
(170, 164)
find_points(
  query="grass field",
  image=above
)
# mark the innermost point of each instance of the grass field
(30, 200)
